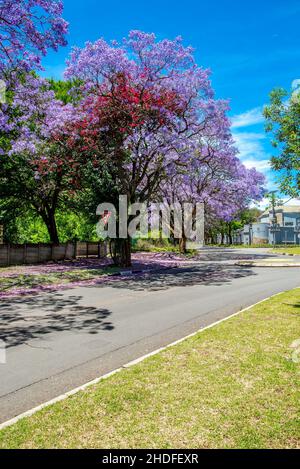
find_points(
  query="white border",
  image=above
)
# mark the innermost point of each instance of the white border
(32, 411)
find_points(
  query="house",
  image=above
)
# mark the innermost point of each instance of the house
(283, 229)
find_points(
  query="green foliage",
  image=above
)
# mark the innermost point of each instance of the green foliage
(283, 121)
(229, 228)
(73, 226)
(250, 215)
(29, 228)
(153, 245)
(66, 91)
(62, 90)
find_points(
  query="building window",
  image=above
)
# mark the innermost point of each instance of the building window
(289, 223)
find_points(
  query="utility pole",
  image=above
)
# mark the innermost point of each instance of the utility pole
(274, 225)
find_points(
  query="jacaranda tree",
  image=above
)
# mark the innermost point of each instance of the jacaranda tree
(214, 176)
(30, 114)
(140, 117)
(37, 168)
(28, 28)
(145, 108)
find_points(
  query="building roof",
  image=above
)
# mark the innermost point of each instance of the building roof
(291, 206)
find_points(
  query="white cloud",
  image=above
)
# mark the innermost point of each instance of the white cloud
(262, 205)
(296, 84)
(265, 202)
(260, 165)
(252, 117)
(271, 181)
(253, 155)
(250, 145)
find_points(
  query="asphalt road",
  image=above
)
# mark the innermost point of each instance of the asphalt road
(58, 341)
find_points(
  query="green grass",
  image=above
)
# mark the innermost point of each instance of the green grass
(288, 250)
(157, 249)
(232, 386)
(53, 278)
(146, 246)
(241, 246)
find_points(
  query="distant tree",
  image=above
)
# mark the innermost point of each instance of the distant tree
(249, 215)
(217, 225)
(283, 120)
(215, 176)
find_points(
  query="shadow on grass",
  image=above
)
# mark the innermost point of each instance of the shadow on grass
(294, 305)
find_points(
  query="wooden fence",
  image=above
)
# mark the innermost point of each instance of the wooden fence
(88, 249)
(18, 254)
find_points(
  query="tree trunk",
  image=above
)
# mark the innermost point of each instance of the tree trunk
(120, 250)
(222, 238)
(182, 245)
(49, 219)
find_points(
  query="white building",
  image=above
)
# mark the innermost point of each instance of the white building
(287, 226)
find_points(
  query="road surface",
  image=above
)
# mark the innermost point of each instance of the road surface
(58, 341)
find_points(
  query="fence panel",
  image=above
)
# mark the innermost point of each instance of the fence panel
(4, 254)
(18, 254)
(91, 249)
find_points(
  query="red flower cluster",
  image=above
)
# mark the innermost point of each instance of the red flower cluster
(114, 111)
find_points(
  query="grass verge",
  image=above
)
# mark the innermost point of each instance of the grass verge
(241, 246)
(28, 281)
(288, 250)
(232, 386)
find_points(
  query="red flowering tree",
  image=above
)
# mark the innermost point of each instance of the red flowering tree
(111, 117)
(142, 106)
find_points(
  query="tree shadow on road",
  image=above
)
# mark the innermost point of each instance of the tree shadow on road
(25, 318)
(180, 277)
(32, 317)
(228, 254)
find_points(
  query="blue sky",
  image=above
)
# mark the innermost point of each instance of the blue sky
(251, 47)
